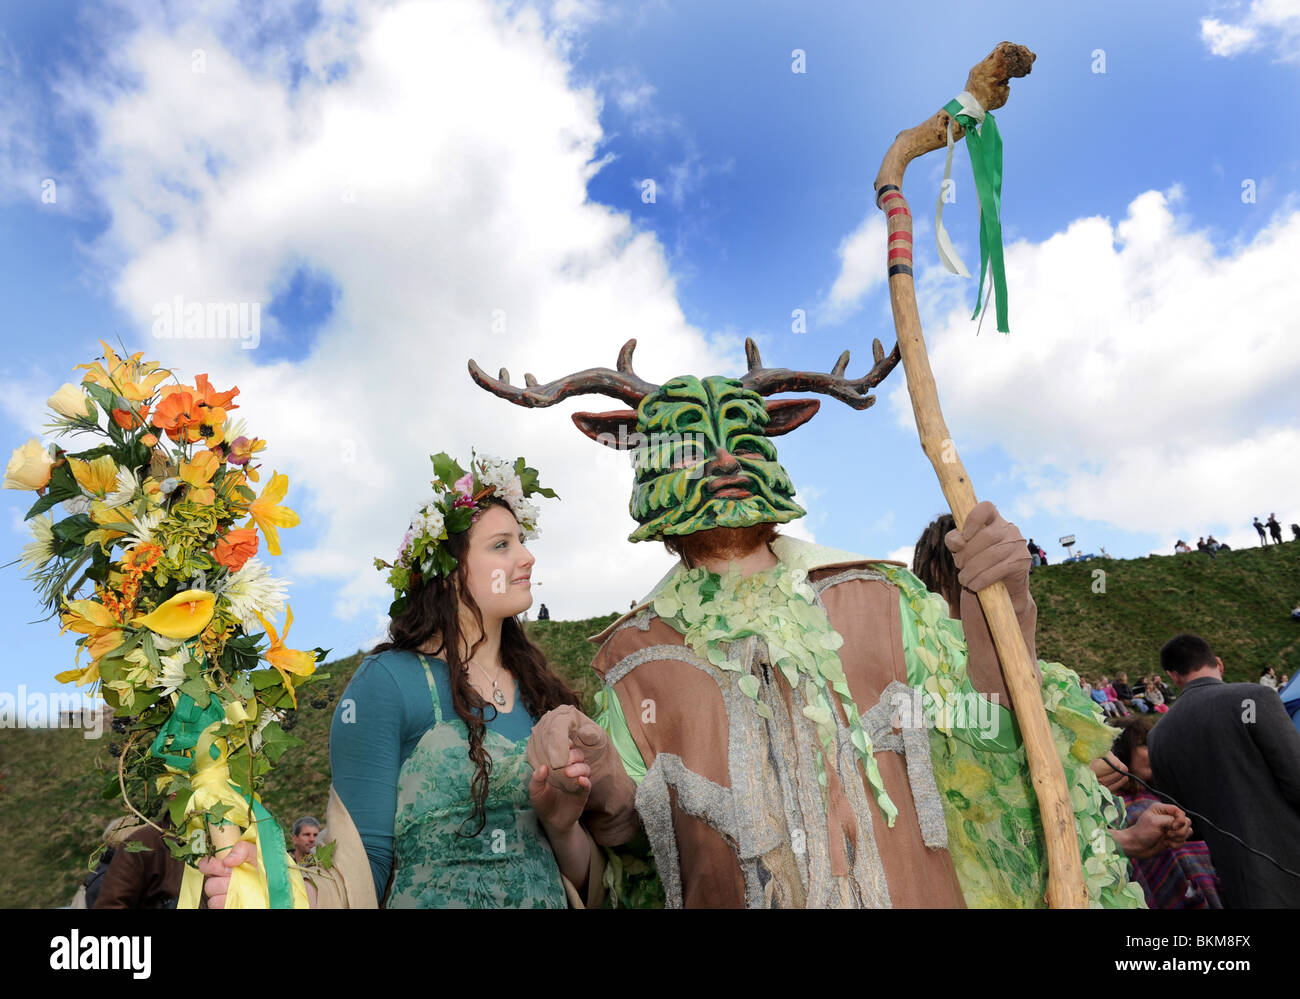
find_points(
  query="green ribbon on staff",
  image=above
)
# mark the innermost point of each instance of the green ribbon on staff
(985, 145)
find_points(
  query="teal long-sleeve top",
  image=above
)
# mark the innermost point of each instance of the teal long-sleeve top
(380, 719)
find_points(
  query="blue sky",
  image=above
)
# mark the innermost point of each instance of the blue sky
(384, 179)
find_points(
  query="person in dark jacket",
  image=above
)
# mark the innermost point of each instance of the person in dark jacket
(147, 878)
(1229, 752)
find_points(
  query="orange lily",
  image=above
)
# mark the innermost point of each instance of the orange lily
(287, 661)
(269, 515)
(197, 474)
(93, 619)
(132, 378)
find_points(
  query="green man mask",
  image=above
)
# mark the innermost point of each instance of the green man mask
(701, 446)
(704, 460)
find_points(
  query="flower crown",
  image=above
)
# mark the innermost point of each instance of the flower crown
(459, 497)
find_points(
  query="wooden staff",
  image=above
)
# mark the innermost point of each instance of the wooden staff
(987, 83)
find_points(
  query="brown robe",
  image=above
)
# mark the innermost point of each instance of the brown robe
(730, 802)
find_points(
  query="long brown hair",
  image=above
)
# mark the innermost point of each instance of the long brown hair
(932, 562)
(433, 609)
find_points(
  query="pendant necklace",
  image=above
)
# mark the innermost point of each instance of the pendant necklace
(498, 695)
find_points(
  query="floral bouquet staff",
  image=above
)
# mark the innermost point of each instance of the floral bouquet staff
(153, 564)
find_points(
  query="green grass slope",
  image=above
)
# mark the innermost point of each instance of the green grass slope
(52, 813)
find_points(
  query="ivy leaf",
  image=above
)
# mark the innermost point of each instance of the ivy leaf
(198, 690)
(276, 740)
(242, 686)
(325, 854)
(264, 678)
(135, 846)
(176, 809)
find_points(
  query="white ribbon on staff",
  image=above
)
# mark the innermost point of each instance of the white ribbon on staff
(947, 253)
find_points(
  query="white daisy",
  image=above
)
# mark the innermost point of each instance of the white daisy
(144, 526)
(125, 489)
(253, 591)
(41, 549)
(173, 673)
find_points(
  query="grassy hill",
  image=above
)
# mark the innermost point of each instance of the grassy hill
(52, 812)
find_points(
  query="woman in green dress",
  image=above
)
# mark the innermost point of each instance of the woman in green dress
(432, 786)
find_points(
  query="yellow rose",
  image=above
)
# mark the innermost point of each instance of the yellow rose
(29, 467)
(71, 402)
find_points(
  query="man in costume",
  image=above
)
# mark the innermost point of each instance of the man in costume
(807, 727)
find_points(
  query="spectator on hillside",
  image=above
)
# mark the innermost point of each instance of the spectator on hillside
(1125, 694)
(1295, 532)
(1035, 559)
(1268, 678)
(1228, 751)
(1200, 544)
(1274, 528)
(1283, 683)
(1212, 546)
(1098, 694)
(1182, 876)
(1181, 546)
(1112, 706)
(543, 614)
(1042, 555)
(1153, 695)
(305, 831)
(1259, 529)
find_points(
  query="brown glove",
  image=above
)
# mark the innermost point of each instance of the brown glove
(610, 815)
(987, 550)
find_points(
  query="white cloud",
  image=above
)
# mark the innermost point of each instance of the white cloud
(466, 152)
(1264, 23)
(862, 267)
(1130, 392)
(903, 555)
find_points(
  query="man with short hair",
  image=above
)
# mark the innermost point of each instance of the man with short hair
(1229, 751)
(305, 831)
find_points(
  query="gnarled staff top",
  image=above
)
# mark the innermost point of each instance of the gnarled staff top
(624, 384)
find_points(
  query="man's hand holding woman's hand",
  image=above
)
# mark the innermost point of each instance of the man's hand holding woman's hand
(561, 749)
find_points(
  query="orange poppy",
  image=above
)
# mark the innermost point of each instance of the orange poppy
(236, 547)
(179, 414)
(213, 405)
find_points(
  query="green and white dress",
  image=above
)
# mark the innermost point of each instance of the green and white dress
(421, 780)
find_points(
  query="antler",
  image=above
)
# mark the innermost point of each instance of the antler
(622, 383)
(769, 381)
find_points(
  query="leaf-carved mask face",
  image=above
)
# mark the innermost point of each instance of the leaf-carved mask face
(704, 459)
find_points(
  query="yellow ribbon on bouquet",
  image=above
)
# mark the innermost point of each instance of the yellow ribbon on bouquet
(271, 883)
